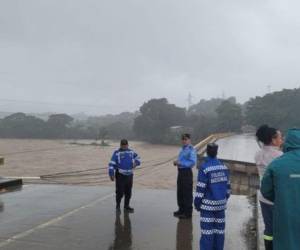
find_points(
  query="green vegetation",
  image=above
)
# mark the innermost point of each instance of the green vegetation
(155, 119)
(158, 121)
(279, 109)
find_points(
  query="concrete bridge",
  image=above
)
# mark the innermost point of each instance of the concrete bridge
(75, 217)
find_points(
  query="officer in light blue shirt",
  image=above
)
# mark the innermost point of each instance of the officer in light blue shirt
(186, 160)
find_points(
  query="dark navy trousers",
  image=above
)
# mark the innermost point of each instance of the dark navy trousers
(123, 188)
(185, 191)
(212, 230)
(267, 213)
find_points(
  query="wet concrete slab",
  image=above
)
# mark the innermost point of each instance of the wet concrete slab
(238, 148)
(10, 183)
(71, 217)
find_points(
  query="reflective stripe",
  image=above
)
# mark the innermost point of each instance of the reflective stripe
(216, 231)
(113, 163)
(199, 195)
(214, 202)
(213, 231)
(208, 220)
(201, 184)
(266, 237)
(294, 175)
(122, 171)
(219, 179)
(213, 208)
(112, 168)
(119, 157)
(220, 220)
(137, 159)
(207, 232)
(212, 220)
(214, 168)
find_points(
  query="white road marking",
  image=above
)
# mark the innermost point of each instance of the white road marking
(50, 222)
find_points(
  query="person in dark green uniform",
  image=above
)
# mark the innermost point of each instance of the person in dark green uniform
(281, 184)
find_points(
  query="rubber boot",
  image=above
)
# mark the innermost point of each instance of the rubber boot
(268, 244)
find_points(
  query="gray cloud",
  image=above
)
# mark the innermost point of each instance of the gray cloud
(111, 56)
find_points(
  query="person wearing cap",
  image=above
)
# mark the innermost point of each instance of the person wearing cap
(186, 160)
(212, 194)
(120, 169)
(281, 185)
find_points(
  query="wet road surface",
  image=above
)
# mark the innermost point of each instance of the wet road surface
(238, 147)
(71, 217)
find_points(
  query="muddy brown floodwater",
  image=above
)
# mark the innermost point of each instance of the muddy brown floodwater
(32, 158)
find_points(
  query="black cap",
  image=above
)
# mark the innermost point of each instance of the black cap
(212, 149)
(123, 142)
(185, 136)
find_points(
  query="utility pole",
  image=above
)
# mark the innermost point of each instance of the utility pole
(223, 95)
(190, 100)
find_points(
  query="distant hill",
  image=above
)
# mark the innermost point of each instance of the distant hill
(106, 120)
(80, 116)
(208, 107)
(43, 116)
(4, 114)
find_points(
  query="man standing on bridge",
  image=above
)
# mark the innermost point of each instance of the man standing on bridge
(121, 166)
(212, 193)
(281, 185)
(186, 160)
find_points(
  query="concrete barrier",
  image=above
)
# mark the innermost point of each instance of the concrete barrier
(6, 183)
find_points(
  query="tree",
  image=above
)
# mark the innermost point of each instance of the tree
(155, 119)
(229, 117)
(57, 125)
(203, 126)
(102, 135)
(208, 107)
(119, 130)
(20, 125)
(279, 109)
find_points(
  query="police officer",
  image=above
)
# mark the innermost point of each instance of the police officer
(121, 166)
(212, 193)
(186, 160)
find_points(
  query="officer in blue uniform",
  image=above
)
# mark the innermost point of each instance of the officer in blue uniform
(186, 160)
(121, 166)
(212, 193)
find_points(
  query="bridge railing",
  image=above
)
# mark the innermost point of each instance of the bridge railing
(200, 147)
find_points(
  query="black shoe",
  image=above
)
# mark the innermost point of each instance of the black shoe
(128, 209)
(185, 216)
(177, 213)
(268, 244)
(118, 209)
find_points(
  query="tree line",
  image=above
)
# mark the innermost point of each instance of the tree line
(159, 121)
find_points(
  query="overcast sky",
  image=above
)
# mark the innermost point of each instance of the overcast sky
(101, 57)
